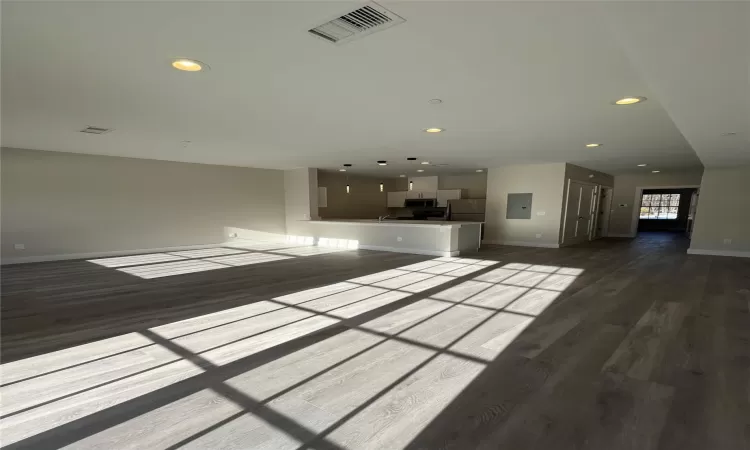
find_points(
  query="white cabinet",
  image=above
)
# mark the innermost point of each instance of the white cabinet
(421, 194)
(443, 195)
(423, 187)
(424, 184)
(397, 199)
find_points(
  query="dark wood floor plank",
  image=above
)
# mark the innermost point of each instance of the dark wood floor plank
(632, 345)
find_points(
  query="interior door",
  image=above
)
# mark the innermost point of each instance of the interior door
(585, 212)
(578, 212)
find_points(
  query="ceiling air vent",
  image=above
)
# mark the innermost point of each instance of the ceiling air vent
(96, 130)
(366, 20)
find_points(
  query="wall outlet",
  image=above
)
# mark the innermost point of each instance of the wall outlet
(19, 246)
(541, 213)
(727, 240)
(399, 238)
(623, 205)
(538, 235)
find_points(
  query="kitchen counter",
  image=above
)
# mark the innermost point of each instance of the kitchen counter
(421, 223)
(424, 237)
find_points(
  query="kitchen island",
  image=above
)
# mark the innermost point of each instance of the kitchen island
(423, 237)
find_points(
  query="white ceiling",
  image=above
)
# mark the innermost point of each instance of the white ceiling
(521, 82)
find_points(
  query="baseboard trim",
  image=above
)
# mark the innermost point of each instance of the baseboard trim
(408, 250)
(46, 258)
(523, 244)
(620, 235)
(701, 251)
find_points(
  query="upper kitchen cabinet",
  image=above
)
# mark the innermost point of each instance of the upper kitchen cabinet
(443, 195)
(424, 184)
(422, 187)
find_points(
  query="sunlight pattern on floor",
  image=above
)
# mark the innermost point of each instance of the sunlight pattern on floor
(158, 265)
(375, 384)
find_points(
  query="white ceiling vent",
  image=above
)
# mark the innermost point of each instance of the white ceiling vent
(368, 19)
(96, 130)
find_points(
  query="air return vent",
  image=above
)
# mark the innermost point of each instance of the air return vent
(368, 19)
(96, 130)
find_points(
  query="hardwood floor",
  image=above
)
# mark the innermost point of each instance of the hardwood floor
(616, 344)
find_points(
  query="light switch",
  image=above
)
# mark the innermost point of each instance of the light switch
(541, 213)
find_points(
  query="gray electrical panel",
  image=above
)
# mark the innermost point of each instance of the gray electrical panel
(519, 206)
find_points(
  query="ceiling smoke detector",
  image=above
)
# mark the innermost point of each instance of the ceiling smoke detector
(365, 20)
(96, 130)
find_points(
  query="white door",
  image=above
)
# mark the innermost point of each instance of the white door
(578, 212)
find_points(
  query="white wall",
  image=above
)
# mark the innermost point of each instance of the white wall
(545, 181)
(60, 204)
(621, 220)
(723, 213)
(579, 173)
(300, 196)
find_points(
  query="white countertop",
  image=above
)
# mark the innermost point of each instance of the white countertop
(388, 222)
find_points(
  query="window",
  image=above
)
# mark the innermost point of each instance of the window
(660, 206)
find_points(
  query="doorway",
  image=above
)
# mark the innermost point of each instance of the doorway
(579, 212)
(665, 210)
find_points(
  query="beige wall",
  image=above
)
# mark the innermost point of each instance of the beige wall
(472, 185)
(60, 204)
(300, 195)
(545, 181)
(579, 173)
(365, 201)
(723, 212)
(621, 219)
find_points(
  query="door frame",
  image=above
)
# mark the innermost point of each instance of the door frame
(565, 208)
(607, 209)
(635, 215)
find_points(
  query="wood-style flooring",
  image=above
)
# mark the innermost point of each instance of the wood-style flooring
(616, 344)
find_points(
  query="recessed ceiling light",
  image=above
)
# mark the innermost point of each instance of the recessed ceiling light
(435, 101)
(402, 176)
(420, 170)
(630, 100)
(425, 163)
(433, 130)
(347, 165)
(411, 159)
(188, 65)
(655, 171)
(641, 165)
(480, 170)
(382, 163)
(342, 170)
(593, 145)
